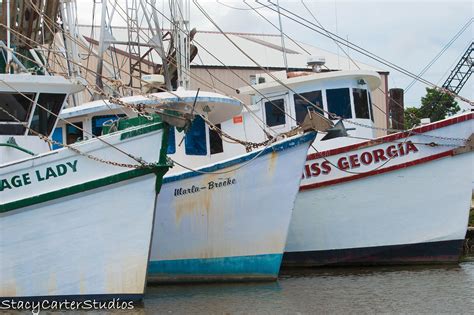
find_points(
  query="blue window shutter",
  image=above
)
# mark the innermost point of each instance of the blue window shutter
(195, 139)
(58, 137)
(171, 141)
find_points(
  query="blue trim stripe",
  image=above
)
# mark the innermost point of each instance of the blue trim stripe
(258, 265)
(281, 146)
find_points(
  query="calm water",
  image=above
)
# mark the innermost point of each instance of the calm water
(408, 290)
(370, 290)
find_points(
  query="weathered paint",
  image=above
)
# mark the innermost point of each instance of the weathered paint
(232, 223)
(86, 242)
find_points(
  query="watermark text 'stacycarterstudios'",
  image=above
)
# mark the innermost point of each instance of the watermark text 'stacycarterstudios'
(37, 306)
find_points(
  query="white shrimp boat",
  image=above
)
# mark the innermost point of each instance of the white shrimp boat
(76, 222)
(228, 221)
(398, 199)
(224, 221)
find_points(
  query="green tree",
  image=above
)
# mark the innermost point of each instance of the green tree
(412, 117)
(435, 105)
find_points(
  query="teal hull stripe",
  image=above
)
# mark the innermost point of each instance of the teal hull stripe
(259, 265)
(307, 137)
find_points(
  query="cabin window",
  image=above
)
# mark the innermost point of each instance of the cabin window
(46, 112)
(98, 122)
(360, 103)
(195, 139)
(74, 133)
(16, 104)
(275, 112)
(19, 106)
(339, 102)
(253, 79)
(301, 106)
(58, 137)
(171, 141)
(215, 140)
(370, 107)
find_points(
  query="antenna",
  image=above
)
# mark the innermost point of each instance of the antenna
(282, 37)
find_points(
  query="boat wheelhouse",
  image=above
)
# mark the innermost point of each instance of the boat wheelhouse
(284, 99)
(20, 95)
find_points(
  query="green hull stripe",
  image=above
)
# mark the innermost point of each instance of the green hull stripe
(159, 171)
(140, 131)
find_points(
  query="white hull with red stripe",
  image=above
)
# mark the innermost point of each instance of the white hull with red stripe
(403, 198)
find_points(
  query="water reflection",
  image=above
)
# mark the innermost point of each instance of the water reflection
(421, 289)
(411, 290)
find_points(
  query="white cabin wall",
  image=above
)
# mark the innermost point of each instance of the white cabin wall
(379, 99)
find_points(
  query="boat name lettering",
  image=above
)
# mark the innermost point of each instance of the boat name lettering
(356, 160)
(28, 178)
(213, 184)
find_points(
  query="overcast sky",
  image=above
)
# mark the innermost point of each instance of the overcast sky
(407, 33)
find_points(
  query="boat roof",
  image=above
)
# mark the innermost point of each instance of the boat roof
(264, 48)
(186, 97)
(371, 77)
(25, 82)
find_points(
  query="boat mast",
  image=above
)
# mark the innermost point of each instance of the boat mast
(180, 16)
(9, 54)
(69, 19)
(282, 37)
(102, 47)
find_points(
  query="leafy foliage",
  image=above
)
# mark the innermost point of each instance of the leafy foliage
(412, 117)
(435, 105)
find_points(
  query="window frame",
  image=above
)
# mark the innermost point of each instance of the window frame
(371, 110)
(367, 103)
(219, 126)
(351, 101)
(323, 103)
(81, 123)
(30, 114)
(53, 126)
(272, 98)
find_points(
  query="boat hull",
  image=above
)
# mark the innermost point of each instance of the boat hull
(235, 232)
(78, 229)
(411, 210)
